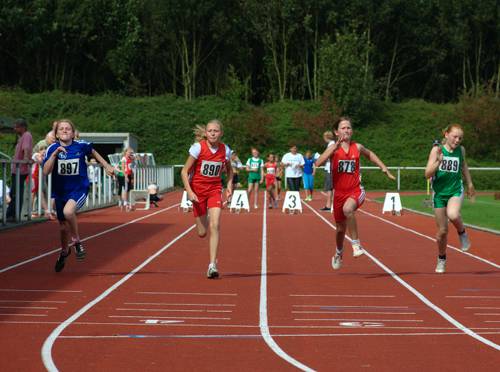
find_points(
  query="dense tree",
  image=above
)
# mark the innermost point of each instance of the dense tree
(428, 49)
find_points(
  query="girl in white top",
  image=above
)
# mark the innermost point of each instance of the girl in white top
(294, 164)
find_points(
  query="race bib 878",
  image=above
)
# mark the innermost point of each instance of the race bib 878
(346, 166)
(210, 168)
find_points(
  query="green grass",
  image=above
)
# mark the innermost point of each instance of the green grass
(484, 212)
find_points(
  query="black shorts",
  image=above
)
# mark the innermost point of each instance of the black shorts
(121, 184)
(236, 179)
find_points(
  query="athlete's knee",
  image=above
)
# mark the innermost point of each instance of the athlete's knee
(214, 225)
(453, 215)
(348, 212)
(441, 233)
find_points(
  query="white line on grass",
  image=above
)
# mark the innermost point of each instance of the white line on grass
(49, 342)
(419, 295)
(429, 238)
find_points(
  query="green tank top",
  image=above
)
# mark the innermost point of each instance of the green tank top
(448, 177)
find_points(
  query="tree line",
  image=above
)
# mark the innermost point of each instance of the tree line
(359, 51)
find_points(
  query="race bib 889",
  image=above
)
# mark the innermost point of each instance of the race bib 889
(70, 167)
(449, 164)
(210, 168)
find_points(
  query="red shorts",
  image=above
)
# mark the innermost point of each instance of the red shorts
(339, 198)
(270, 180)
(207, 199)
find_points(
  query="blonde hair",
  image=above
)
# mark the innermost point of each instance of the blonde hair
(329, 135)
(450, 127)
(200, 130)
(58, 122)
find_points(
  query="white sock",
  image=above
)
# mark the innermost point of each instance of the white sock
(356, 241)
(338, 252)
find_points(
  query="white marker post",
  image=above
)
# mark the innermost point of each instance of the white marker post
(292, 202)
(186, 205)
(239, 201)
(392, 203)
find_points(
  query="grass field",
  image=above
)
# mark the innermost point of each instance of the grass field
(484, 212)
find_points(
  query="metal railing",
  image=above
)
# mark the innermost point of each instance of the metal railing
(101, 193)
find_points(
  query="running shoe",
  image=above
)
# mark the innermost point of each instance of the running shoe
(61, 260)
(80, 252)
(464, 242)
(212, 272)
(337, 261)
(325, 209)
(357, 250)
(441, 266)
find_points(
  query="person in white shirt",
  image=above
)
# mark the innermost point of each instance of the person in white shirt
(328, 184)
(293, 162)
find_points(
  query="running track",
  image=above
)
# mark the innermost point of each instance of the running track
(140, 300)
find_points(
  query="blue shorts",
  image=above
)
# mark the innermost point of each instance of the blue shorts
(78, 196)
(308, 181)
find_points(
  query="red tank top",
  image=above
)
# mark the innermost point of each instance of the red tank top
(208, 167)
(345, 168)
(270, 169)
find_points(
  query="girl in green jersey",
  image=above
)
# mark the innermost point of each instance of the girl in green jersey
(445, 168)
(255, 169)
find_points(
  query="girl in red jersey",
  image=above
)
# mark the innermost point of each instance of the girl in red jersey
(201, 176)
(271, 168)
(349, 195)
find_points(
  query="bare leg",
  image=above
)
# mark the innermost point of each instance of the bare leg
(442, 233)
(214, 232)
(453, 213)
(70, 216)
(65, 236)
(202, 225)
(340, 234)
(256, 196)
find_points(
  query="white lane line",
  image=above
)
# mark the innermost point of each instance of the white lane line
(475, 297)
(482, 308)
(235, 336)
(351, 312)
(188, 293)
(361, 320)
(263, 320)
(46, 352)
(419, 295)
(342, 295)
(164, 310)
(177, 310)
(355, 306)
(32, 301)
(193, 325)
(37, 290)
(430, 238)
(21, 263)
(4, 314)
(169, 317)
(29, 307)
(170, 304)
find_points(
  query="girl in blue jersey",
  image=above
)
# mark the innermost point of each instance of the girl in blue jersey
(65, 160)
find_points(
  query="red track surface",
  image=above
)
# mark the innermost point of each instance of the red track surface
(167, 316)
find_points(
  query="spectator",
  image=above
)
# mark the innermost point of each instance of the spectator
(7, 194)
(23, 151)
(293, 163)
(154, 197)
(35, 192)
(236, 165)
(309, 172)
(94, 174)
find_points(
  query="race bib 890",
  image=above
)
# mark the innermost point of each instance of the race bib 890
(70, 167)
(347, 166)
(210, 168)
(449, 164)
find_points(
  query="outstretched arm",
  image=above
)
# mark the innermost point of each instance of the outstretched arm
(185, 178)
(471, 191)
(370, 155)
(107, 167)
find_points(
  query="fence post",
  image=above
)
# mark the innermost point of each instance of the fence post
(399, 178)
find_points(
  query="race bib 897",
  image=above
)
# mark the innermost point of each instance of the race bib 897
(210, 168)
(70, 167)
